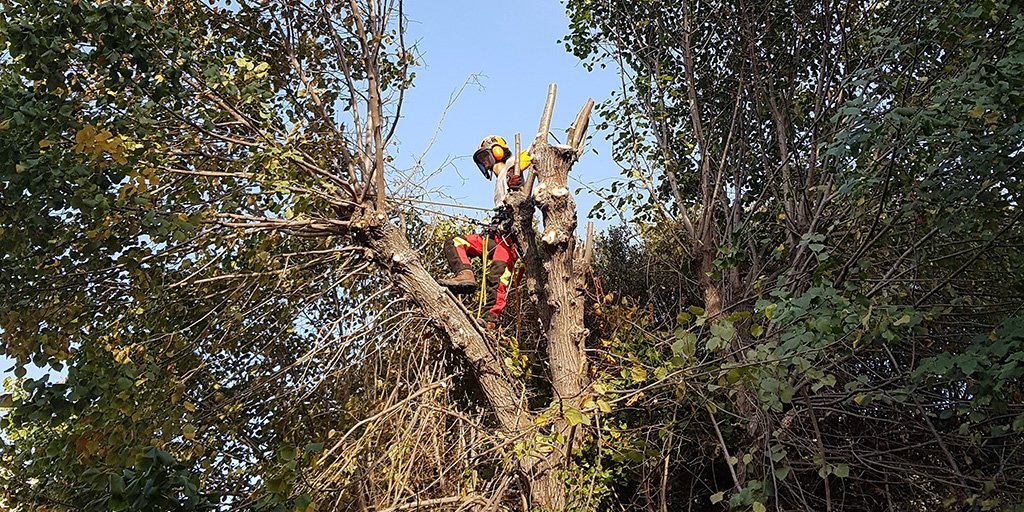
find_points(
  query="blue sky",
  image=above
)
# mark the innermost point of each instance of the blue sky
(512, 50)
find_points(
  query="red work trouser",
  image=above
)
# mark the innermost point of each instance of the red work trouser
(501, 261)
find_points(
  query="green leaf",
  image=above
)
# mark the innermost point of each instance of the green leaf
(314, 447)
(724, 330)
(116, 485)
(575, 417)
(738, 316)
(717, 497)
(685, 345)
(759, 507)
(117, 504)
(164, 457)
(302, 501)
(841, 471)
(287, 453)
(274, 485)
(778, 453)
(783, 472)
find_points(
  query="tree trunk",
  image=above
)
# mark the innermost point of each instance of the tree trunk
(556, 268)
(563, 268)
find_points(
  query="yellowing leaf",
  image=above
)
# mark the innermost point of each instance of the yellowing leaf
(86, 134)
(638, 373)
(44, 143)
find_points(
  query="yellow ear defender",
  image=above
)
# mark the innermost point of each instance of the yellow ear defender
(498, 149)
(492, 150)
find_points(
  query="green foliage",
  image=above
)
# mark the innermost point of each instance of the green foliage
(135, 139)
(866, 231)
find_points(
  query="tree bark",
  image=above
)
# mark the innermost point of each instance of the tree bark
(563, 285)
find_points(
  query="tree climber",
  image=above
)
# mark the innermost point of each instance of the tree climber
(495, 244)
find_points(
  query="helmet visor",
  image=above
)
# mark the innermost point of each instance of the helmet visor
(484, 161)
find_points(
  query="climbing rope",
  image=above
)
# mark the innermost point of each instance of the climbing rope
(462, 218)
(435, 203)
(519, 267)
(483, 279)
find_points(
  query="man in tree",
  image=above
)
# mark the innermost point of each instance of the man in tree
(494, 243)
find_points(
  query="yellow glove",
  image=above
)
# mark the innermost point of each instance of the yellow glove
(524, 161)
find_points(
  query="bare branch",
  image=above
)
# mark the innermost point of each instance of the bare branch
(588, 246)
(578, 130)
(545, 118)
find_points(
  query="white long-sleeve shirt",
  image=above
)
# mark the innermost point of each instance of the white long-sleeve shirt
(501, 182)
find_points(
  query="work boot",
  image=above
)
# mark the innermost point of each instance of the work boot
(462, 282)
(489, 322)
